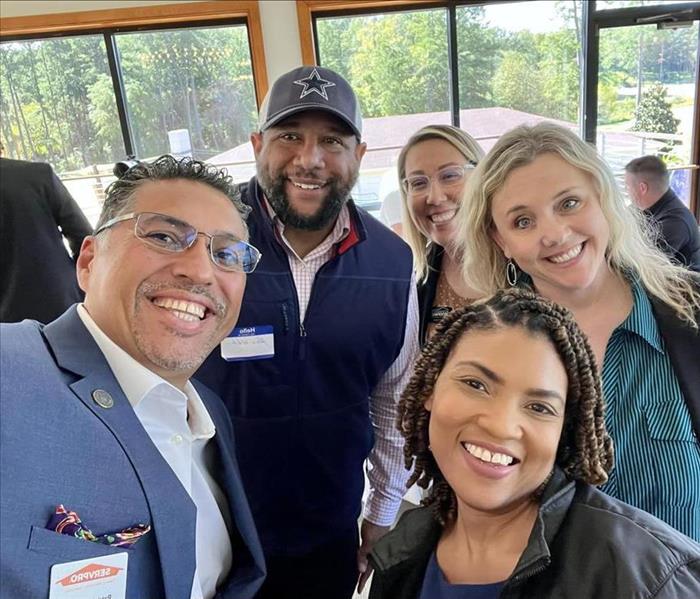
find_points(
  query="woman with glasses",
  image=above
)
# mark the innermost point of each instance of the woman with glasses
(433, 168)
(543, 210)
(504, 425)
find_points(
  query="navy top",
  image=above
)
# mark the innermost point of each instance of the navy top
(657, 458)
(679, 235)
(435, 586)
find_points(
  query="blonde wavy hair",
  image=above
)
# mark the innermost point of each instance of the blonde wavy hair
(466, 145)
(631, 248)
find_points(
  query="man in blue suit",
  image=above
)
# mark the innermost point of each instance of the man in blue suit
(118, 471)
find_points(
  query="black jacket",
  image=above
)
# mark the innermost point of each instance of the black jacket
(679, 236)
(427, 290)
(37, 276)
(584, 545)
(683, 348)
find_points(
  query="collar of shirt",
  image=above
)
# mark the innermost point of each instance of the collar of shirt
(661, 203)
(340, 231)
(641, 320)
(137, 381)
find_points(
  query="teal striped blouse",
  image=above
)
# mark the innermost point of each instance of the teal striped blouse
(657, 457)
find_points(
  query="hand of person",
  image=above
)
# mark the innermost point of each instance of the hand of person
(370, 533)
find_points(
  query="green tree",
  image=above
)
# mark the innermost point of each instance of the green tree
(516, 86)
(654, 114)
(477, 48)
(399, 65)
(558, 73)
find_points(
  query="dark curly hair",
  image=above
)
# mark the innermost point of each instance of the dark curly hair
(585, 450)
(120, 193)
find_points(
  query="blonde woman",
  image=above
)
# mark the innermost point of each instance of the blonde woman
(434, 166)
(543, 209)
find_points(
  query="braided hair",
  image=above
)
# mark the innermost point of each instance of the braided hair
(585, 450)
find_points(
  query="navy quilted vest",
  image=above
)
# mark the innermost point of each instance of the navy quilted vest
(302, 418)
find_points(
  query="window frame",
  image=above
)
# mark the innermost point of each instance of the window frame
(109, 22)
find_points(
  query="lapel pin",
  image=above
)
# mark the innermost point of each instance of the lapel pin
(102, 398)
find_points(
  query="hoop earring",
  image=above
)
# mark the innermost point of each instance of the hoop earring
(511, 273)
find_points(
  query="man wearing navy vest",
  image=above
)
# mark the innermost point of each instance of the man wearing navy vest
(325, 344)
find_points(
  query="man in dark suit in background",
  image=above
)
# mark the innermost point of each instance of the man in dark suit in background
(647, 183)
(37, 276)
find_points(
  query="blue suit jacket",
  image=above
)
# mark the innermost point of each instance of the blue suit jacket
(59, 446)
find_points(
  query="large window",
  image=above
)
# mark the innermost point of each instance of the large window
(601, 68)
(84, 100)
(57, 102)
(398, 66)
(188, 91)
(518, 63)
(515, 62)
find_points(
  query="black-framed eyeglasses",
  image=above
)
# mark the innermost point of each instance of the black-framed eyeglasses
(450, 176)
(169, 234)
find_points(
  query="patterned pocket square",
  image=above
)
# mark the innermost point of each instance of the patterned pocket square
(69, 523)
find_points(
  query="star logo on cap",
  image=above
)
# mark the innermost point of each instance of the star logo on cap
(314, 83)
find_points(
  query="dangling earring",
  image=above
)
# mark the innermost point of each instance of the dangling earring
(511, 273)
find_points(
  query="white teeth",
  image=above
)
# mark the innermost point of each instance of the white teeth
(570, 255)
(443, 217)
(188, 311)
(306, 186)
(486, 456)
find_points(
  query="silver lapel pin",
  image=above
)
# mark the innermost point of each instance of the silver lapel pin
(102, 398)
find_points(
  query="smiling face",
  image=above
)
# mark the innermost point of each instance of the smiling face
(307, 166)
(433, 212)
(547, 217)
(496, 415)
(166, 310)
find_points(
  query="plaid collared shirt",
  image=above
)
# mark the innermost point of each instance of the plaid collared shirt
(386, 472)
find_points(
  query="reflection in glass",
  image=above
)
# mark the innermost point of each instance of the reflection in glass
(189, 91)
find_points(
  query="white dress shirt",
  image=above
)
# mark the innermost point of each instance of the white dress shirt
(180, 427)
(386, 472)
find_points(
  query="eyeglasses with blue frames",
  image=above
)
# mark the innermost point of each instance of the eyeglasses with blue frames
(169, 234)
(448, 177)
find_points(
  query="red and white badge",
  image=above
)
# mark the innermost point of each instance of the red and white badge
(95, 578)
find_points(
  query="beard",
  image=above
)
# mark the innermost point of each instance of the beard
(177, 355)
(338, 193)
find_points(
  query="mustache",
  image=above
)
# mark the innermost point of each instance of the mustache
(304, 174)
(150, 287)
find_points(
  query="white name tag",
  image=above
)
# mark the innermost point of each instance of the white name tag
(95, 578)
(249, 343)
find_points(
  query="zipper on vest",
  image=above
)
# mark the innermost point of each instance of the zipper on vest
(302, 341)
(302, 328)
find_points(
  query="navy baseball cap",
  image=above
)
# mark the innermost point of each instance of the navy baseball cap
(311, 88)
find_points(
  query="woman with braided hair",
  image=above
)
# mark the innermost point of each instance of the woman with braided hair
(503, 424)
